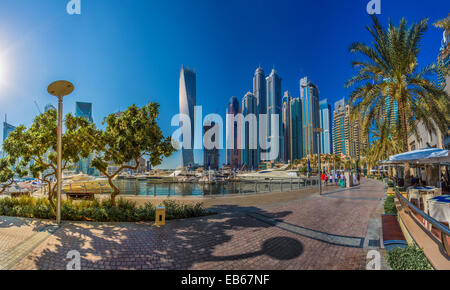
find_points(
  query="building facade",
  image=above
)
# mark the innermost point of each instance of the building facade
(444, 80)
(310, 114)
(188, 96)
(233, 135)
(210, 156)
(340, 129)
(83, 110)
(7, 129)
(287, 121)
(250, 152)
(296, 130)
(326, 124)
(274, 98)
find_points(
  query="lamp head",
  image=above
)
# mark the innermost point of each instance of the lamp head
(60, 88)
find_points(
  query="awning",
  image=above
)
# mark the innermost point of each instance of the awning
(421, 156)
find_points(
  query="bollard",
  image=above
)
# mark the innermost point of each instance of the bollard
(160, 218)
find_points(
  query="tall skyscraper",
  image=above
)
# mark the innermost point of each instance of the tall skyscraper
(274, 98)
(233, 131)
(210, 156)
(296, 130)
(259, 90)
(287, 126)
(339, 128)
(347, 134)
(7, 129)
(84, 110)
(188, 93)
(250, 153)
(310, 106)
(325, 124)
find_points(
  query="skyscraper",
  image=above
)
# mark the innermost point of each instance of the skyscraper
(287, 126)
(210, 156)
(84, 110)
(259, 90)
(296, 130)
(325, 124)
(347, 135)
(250, 153)
(273, 86)
(233, 131)
(188, 93)
(310, 106)
(7, 129)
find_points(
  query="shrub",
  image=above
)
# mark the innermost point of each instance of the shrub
(389, 205)
(410, 258)
(99, 211)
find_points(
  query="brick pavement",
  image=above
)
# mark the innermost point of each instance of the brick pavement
(233, 239)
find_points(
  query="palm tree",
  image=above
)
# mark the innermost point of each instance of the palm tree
(390, 70)
(384, 145)
(444, 23)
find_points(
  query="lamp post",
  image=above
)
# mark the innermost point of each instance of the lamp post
(59, 89)
(318, 131)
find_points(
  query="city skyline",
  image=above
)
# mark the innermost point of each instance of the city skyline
(118, 63)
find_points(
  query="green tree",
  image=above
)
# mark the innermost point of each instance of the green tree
(384, 143)
(9, 169)
(444, 23)
(390, 69)
(36, 146)
(128, 137)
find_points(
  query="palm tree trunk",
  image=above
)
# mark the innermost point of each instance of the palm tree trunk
(404, 136)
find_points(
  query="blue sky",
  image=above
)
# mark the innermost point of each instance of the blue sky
(119, 53)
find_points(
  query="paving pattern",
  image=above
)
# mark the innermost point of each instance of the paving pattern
(327, 232)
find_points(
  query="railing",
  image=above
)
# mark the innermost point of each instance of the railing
(216, 188)
(445, 232)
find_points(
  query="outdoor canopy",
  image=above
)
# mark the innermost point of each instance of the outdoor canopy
(421, 156)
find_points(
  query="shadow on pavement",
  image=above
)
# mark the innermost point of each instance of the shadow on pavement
(228, 236)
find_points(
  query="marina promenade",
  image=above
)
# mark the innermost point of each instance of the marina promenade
(332, 231)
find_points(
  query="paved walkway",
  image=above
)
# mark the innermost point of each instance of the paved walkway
(333, 231)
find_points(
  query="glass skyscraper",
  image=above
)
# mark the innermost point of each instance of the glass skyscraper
(250, 152)
(325, 124)
(310, 113)
(287, 126)
(7, 129)
(233, 134)
(274, 98)
(296, 130)
(210, 156)
(84, 110)
(188, 93)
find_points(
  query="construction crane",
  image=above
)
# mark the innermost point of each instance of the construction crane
(37, 106)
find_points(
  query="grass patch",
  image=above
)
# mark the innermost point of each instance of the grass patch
(410, 258)
(96, 210)
(389, 205)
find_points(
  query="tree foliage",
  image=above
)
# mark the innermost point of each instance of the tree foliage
(36, 146)
(389, 69)
(128, 137)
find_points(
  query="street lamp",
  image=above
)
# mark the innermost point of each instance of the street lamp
(59, 89)
(318, 131)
